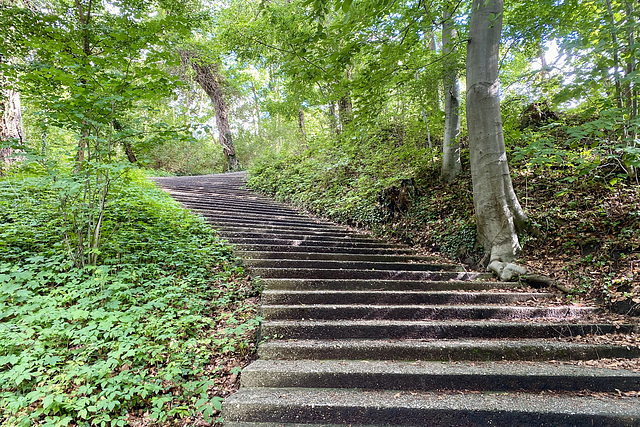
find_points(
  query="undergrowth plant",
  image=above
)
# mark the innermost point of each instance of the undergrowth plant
(137, 334)
(344, 180)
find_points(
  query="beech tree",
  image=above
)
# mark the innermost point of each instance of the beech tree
(10, 124)
(10, 106)
(451, 166)
(499, 216)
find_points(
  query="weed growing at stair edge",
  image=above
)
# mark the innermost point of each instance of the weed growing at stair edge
(135, 339)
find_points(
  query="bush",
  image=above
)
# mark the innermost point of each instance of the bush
(138, 333)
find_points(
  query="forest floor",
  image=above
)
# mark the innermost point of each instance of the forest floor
(586, 235)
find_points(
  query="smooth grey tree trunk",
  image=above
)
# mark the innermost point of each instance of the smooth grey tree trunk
(499, 215)
(10, 124)
(451, 166)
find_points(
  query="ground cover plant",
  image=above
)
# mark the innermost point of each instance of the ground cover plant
(154, 334)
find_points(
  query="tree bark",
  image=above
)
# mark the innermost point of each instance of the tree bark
(10, 111)
(256, 107)
(451, 166)
(630, 88)
(499, 215)
(10, 124)
(345, 106)
(208, 76)
(301, 125)
(131, 155)
(84, 18)
(333, 122)
(345, 110)
(616, 58)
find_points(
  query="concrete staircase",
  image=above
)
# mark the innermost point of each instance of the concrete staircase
(358, 331)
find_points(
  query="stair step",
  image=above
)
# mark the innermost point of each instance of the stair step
(402, 329)
(257, 218)
(390, 407)
(279, 424)
(421, 312)
(261, 223)
(429, 376)
(316, 273)
(280, 247)
(378, 284)
(295, 297)
(259, 209)
(316, 238)
(443, 350)
(266, 229)
(351, 265)
(332, 256)
(341, 243)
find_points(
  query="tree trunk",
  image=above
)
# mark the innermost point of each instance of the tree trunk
(84, 18)
(333, 122)
(301, 126)
(131, 155)
(630, 88)
(345, 106)
(345, 110)
(433, 86)
(544, 67)
(451, 166)
(10, 124)
(499, 215)
(208, 77)
(256, 107)
(616, 58)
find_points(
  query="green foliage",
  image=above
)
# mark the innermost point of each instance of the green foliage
(588, 147)
(137, 332)
(186, 157)
(343, 180)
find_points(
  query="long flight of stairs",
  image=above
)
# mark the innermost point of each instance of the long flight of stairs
(358, 331)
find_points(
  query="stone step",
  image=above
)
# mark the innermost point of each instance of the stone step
(348, 265)
(250, 222)
(258, 217)
(245, 212)
(384, 285)
(315, 273)
(390, 407)
(223, 197)
(403, 329)
(278, 247)
(260, 208)
(231, 236)
(279, 297)
(337, 243)
(278, 424)
(285, 231)
(430, 376)
(332, 256)
(219, 196)
(420, 312)
(441, 350)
